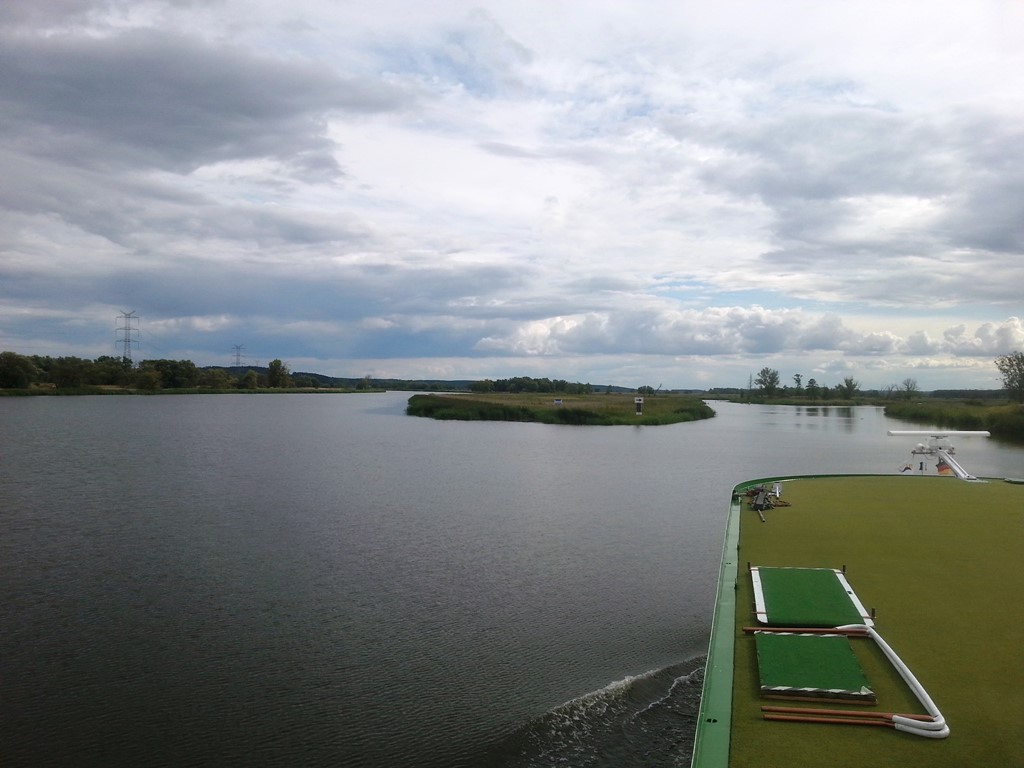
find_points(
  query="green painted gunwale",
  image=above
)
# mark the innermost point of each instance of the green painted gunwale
(940, 560)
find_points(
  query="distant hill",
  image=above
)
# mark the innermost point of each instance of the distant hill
(418, 385)
(968, 394)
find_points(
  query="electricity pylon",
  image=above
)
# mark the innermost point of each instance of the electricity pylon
(126, 328)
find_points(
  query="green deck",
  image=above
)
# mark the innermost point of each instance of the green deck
(940, 561)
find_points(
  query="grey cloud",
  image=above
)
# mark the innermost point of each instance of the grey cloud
(147, 98)
(315, 166)
(137, 212)
(268, 226)
(871, 344)
(508, 150)
(284, 283)
(812, 169)
(990, 211)
(986, 192)
(830, 154)
(920, 343)
(17, 14)
(825, 332)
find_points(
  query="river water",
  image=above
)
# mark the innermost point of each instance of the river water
(321, 580)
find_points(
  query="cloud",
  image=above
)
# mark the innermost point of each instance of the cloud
(145, 98)
(585, 190)
(749, 331)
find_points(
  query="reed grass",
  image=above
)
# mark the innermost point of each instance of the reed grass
(585, 410)
(1005, 420)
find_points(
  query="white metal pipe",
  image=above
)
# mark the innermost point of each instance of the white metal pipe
(936, 728)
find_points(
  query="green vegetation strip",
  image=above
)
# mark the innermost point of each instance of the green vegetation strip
(587, 410)
(1005, 420)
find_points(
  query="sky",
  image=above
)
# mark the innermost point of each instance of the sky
(639, 193)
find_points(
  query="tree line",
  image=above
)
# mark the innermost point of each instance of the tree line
(528, 384)
(769, 383)
(24, 371)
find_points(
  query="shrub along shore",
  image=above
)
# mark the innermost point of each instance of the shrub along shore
(1006, 421)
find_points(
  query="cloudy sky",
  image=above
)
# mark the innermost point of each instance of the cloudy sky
(631, 193)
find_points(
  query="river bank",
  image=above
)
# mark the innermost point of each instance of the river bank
(1004, 421)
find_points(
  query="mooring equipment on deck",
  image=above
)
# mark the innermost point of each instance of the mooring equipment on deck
(938, 447)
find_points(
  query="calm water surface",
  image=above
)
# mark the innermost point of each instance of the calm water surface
(322, 580)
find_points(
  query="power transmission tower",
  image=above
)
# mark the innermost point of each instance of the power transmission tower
(238, 354)
(128, 325)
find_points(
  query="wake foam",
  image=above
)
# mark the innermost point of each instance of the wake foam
(647, 719)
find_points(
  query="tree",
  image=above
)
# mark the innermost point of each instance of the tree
(1012, 368)
(110, 370)
(217, 378)
(848, 389)
(798, 379)
(174, 374)
(909, 388)
(70, 371)
(768, 381)
(16, 371)
(812, 389)
(148, 379)
(277, 374)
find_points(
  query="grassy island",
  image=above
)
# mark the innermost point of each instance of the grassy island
(591, 409)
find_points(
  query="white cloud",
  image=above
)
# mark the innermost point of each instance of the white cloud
(585, 190)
